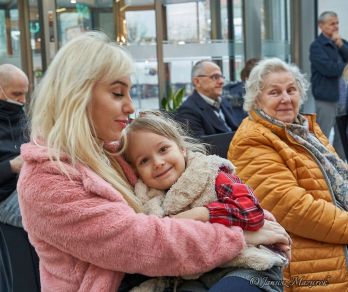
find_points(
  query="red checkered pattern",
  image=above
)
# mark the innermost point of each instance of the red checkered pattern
(236, 205)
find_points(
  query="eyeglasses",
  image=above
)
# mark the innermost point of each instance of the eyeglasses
(214, 77)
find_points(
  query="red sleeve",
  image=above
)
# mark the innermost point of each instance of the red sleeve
(236, 205)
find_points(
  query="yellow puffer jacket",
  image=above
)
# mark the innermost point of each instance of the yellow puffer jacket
(289, 182)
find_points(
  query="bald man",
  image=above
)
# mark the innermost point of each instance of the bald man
(13, 89)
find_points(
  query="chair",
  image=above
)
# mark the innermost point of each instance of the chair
(21, 268)
(219, 143)
(342, 123)
(5, 266)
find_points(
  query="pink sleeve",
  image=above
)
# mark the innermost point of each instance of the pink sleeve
(109, 234)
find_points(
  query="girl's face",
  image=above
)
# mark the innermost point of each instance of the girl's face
(109, 108)
(280, 97)
(158, 161)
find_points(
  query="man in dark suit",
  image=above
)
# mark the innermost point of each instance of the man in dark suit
(205, 111)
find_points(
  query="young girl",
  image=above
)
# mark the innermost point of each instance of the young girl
(178, 178)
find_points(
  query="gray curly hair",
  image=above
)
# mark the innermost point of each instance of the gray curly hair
(255, 84)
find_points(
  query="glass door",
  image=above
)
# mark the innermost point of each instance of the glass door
(204, 29)
(10, 42)
(139, 36)
(36, 42)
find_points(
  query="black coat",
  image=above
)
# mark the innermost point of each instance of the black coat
(201, 118)
(12, 136)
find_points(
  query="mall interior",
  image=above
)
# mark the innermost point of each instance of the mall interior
(166, 37)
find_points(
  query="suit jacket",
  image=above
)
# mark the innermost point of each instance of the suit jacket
(327, 64)
(201, 118)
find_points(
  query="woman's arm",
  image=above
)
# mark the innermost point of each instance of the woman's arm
(100, 228)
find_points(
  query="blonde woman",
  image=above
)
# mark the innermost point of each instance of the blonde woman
(76, 196)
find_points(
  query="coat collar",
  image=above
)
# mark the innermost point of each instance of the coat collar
(34, 152)
(209, 113)
(281, 131)
(325, 40)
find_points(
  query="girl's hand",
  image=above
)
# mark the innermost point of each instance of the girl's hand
(197, 213)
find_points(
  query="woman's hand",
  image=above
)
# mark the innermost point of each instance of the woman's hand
(16, 164)
(271, 233)
(197, 213)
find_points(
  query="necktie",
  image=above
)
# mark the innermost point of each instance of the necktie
(221, 116)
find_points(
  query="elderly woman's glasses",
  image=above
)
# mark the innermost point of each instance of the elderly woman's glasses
(214, 77)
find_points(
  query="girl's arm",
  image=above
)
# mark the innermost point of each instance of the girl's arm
(236, 205)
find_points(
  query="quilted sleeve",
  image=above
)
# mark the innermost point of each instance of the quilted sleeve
(274, 179)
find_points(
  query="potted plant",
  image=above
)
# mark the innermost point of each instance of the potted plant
(174, 100)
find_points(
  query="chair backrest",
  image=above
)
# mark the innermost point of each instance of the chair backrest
(219, 143)
(22, 258)
(5, 266)
(342, 123)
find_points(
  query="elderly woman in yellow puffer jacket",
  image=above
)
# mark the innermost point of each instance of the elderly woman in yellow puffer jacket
(296, 174)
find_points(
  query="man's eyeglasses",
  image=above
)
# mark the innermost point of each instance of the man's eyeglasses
(214, 77)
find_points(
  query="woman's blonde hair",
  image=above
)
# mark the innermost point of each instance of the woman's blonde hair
(59, 114)
(255, 83)
(162, 125)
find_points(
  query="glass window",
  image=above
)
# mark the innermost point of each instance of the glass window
(10, 34)
(137, 30)
(275, 30)
(141, 27)
(188, 22)
(196, 30)
(74, 17)
(35, 40)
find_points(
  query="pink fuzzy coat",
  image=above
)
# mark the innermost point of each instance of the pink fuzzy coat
(87, 237)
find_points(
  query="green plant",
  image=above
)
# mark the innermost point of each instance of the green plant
(174, 99)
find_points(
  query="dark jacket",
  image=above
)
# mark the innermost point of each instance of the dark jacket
(201, 118)
(234, 93)
(12, 136)
(327, 68)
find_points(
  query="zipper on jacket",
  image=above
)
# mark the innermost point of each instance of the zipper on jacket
(345, 247)
(291, 140)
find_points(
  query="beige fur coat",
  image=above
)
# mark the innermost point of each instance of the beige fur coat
(195, 188)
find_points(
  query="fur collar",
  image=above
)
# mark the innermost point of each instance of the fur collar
(195, 187)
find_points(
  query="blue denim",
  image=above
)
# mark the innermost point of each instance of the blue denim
(9, 211)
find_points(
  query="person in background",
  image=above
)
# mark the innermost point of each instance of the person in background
(329, 62)
(235, 91)
(206, 112)
(296, 174)
(76, 195)
(14, 86)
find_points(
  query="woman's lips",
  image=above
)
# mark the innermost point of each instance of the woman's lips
(123, 123)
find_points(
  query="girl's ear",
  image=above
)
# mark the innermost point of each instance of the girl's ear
(184, 151)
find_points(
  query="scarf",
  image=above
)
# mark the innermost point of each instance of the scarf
(335, 170)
